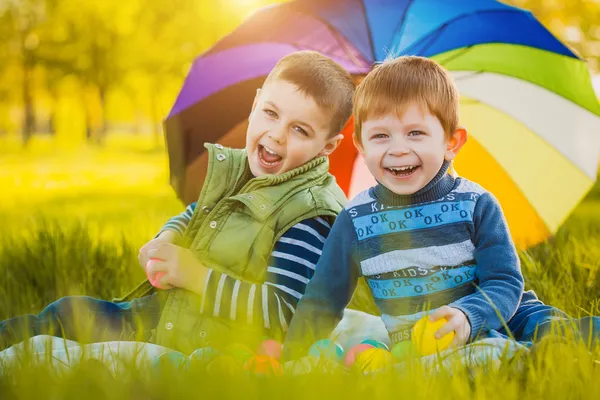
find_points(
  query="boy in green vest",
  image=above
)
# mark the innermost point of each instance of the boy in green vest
(237, 261)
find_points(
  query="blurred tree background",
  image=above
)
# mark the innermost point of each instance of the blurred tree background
(80, 69)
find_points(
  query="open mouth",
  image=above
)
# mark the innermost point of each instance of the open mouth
(268, 158)
(403, 172)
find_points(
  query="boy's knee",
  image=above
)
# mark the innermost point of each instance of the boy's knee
(65, 307)
(58, 306)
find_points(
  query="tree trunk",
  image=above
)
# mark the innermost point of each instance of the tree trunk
(53, 109)
(156, 131)
(28, 106)
(89, 129)
(102, 128)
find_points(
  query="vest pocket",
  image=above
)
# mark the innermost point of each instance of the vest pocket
(242, 247)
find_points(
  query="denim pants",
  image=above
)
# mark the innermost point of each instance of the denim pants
(534, 320)
(86, 320)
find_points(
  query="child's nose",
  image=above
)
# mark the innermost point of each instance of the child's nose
(277, 134)
(398, 149)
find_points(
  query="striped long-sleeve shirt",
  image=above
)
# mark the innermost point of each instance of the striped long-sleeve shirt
(290, 267)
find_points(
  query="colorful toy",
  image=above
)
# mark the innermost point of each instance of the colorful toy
(270, 348)
(423, 336)
(155, 278)
(373, 359)
(202, 356)
(403, 350)
(376, 343)
(326, 348)
(239, 352)
(350, 356)
(171, 360)
(264, 365)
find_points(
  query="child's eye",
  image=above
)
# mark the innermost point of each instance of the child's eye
(270, 113)
(379, 136)
(415, 133)
(300, 130)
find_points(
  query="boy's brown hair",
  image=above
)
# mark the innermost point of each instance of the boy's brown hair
(394, 84)
(322, 79)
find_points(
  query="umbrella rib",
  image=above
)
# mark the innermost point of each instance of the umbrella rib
(400, 27)
(335, 34)
(369, 34)
(453, 57)
(432, 38)
(469, 76)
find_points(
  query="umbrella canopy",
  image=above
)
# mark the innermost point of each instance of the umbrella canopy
(526, 99)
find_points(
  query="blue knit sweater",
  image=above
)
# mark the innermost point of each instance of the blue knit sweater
(447, 244)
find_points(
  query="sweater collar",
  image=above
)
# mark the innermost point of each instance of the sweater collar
(437, 188)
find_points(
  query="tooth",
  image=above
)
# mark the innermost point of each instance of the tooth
(270, 151)
(402, 169)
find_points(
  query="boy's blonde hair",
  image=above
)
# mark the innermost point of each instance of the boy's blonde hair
(322, 79)
(394, 84)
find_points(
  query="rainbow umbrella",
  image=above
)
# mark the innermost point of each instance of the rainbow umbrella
(526, 99)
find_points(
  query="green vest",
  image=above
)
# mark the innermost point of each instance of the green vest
(239, 218)
(236, 223)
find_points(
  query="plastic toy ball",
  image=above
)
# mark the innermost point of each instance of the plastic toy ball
(326, 348)
(373, 360)
(350, 356)
(155, 278)
(171, 360)
(264, 365)
(239, 352)
(403, 350)
(423, 336)
(202, 356)
(376, 343)
(270, 348)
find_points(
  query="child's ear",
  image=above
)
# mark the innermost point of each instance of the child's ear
(256, 97)
(331, 145)
(456, 142)
(357, 144)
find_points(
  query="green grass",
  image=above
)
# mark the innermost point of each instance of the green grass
(72, 222)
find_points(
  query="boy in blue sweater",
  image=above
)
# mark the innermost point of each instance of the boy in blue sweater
(427, 243)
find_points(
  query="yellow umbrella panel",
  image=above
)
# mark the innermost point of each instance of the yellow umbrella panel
(537, 185)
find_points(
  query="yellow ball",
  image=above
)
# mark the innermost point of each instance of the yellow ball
(374, 360)
(423, 336)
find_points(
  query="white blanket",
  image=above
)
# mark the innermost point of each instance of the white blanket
(354, 327)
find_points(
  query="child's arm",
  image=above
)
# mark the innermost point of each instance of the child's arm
(179, 222)
(273, 303)
(328, 292)
(169, 233)
(498, 270)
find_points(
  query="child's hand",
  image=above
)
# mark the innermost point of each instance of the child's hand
(164, 237)
(181, 267)
(457, 322)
